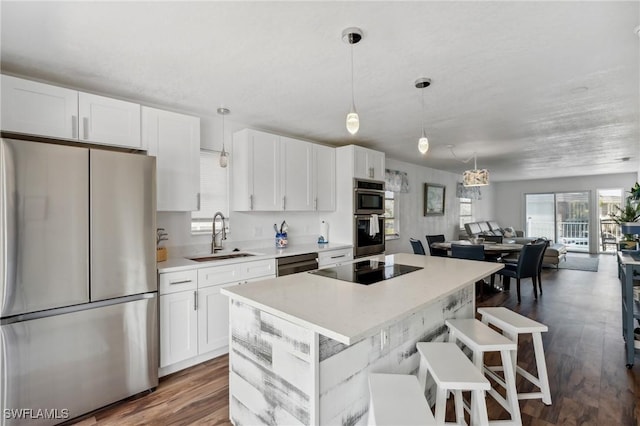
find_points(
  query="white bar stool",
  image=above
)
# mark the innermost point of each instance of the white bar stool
(480, 338)
(512, 325)
(397, 400)
(452, 371)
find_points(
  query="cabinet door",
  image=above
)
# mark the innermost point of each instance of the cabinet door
(109, 121)
(361, 164)
(334, 257)
(178, 327)
(38, 109)
(265, 172)
(296, 177)
(174, 139)
(375, 161)
(324, 177)
(213, 318)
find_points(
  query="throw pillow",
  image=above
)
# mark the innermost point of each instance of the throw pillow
(509, 232)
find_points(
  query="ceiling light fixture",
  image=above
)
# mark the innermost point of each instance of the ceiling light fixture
(423, 142)
(224, 155)
(352, 36)
(475, 177)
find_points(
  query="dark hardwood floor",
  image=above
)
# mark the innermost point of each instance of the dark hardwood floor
(590, 384)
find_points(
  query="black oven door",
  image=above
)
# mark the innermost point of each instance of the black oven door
(367, 241)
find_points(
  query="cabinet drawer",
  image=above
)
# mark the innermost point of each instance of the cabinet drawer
(259, 268)
(334, 256)
(219, 275)
(172, 282)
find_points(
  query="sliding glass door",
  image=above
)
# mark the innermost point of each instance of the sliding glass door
(562, 217)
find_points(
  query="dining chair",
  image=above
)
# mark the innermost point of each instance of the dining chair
(470, 252)
(528, 266)
(418, 248)
(439, 238)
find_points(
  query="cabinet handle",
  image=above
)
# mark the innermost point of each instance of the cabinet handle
(198, 200)
(74, 126)
(251, 202)
(284, 203)
(85, 127)
(371, 170)
(315, 204)
(179, 282)
(338, 256)
(195, 300)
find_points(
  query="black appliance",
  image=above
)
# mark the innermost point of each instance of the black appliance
(288, 265)
(366, 272)
(368, 243)
(368, 196)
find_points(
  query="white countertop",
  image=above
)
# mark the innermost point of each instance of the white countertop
(260, 253)
(347, 312)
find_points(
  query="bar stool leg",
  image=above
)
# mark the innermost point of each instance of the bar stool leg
(541, 365)
(441, 405)
(510, 381)
(479, 408)
(460, 407)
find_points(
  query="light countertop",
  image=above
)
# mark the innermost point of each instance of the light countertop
(348, 312)
(260, 253)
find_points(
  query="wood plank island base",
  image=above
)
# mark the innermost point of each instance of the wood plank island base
(302, 346)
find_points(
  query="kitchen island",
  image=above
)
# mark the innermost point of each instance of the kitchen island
(301, 346)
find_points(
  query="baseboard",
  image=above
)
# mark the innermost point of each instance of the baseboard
(169, 369)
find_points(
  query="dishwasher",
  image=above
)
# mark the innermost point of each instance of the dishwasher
(298, 263)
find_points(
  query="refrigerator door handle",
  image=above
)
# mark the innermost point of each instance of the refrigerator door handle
(8, 226)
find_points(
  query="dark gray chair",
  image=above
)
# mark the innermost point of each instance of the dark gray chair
(470, 252)
(467, 251)
(417, 246)
(439, 238)
(528, 266)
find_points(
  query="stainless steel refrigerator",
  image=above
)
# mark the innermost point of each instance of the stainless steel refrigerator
(78, 288)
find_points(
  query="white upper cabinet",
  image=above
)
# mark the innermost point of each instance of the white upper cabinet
(256, 171)
(38, 109)
(297, 174)
(44, 110)
(174, 139)
(109, 121)
(276, 173)
(367, 163)
(324, 177)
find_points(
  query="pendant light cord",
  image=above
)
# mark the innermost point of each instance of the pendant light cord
(353, 103)
(422, 90)
(223, 132)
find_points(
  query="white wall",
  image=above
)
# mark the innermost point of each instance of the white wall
(413, 224)
(510, 201)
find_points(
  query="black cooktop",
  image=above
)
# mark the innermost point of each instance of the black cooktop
(366, 272)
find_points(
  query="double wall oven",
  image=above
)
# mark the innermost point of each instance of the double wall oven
(368, 217)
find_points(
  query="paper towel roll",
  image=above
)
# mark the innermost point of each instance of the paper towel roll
(324, 231)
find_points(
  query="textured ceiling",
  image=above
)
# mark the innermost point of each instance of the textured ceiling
(537, 89)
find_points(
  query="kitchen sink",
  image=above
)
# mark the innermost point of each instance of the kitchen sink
(214, 257)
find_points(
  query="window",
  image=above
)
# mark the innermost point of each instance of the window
(466, 211)
(214, 193)
(391, 225)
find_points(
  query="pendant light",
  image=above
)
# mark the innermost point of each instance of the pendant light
(423, 142)
(224, 155)
(352, 36)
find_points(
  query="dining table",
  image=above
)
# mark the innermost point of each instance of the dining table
(490, 248)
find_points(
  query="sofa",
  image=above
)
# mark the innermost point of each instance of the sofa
(552, 255)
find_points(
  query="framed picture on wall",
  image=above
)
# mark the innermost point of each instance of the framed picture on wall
(433, 199)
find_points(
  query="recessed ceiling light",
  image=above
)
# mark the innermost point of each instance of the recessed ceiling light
(637, 30)
(625, 158)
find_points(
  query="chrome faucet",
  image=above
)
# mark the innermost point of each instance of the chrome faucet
(216, 243)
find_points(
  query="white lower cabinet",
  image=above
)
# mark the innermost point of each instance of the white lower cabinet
(213, 318)
(179, 327)
(194, 316)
